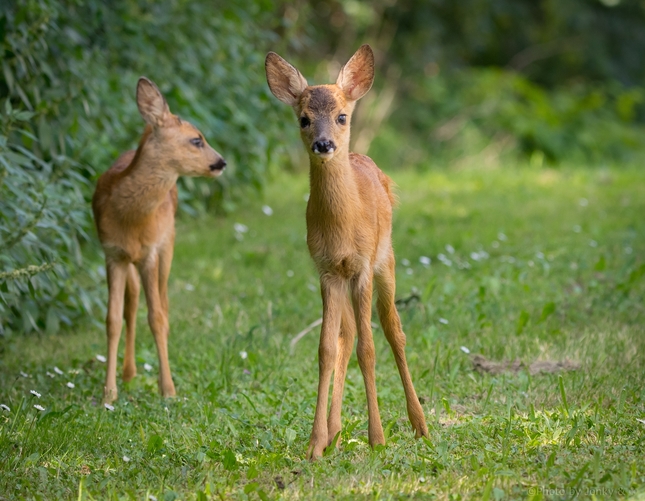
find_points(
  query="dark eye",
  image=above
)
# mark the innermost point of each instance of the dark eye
(198, 141)
(342, 119)
(304, 122)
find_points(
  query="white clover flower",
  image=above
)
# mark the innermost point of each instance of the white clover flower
(444, 259)
(583, 202)
(425, 260)
(189, 287)
(35, 393)
(312, 287)
(24, 374)
(409, 271)
(147, 367)
(502, 237)
(577, 228)
(58, 371)
(70, 384)
(240, 228)
(593, 243)
(243, 355)
(443, 321)
(495, 244)
(39, 407)
(450, 249)
(101, 358)
(50, 374)
(108, 407)
(5, 407)
(539, 255)
(405, 262)
(267, 210)
(290, 273)
(465, 350)
(126, 459)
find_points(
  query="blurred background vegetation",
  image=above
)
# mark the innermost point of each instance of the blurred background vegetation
(484, 83)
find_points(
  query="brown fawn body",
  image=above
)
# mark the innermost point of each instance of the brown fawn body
(134, 208)
(349, 226)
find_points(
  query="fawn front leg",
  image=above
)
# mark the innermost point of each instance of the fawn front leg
(346, 346)
(333, 292)
(362, 300)
(116, 278)
(158, 320)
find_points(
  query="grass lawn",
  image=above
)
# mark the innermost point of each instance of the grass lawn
(526, 265)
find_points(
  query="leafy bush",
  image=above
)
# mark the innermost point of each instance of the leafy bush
(69, 71)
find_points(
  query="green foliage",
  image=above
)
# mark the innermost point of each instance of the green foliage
(69, 71)
(501, 242)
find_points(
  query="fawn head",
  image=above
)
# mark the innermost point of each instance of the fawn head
(176, 143)
(324, 111)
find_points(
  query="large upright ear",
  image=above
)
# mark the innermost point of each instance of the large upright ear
(152, 105)
(286, 82)
(357, 76)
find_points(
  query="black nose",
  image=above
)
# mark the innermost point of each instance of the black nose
(323, 146)
(219, 165)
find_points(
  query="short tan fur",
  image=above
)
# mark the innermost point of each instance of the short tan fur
(349, 227)
(134, 208)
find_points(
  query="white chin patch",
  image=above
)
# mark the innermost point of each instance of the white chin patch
(327, 154)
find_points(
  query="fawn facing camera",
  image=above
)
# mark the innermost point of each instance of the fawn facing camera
(349, 235)
(134, 207)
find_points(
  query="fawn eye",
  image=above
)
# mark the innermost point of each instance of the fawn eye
(304, 122)
(342, 119)
(198, 141)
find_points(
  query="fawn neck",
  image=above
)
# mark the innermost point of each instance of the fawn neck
(145, 183)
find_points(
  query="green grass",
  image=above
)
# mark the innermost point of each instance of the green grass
(559, 273)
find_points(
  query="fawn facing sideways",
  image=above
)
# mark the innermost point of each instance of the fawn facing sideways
(134, 209)
(349, 227)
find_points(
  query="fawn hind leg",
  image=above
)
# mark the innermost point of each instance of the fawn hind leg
(132, 288)
(345, 348)
(116, 278)
(385, 286)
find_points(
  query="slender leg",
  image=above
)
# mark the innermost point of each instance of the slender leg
(362, 300)
(116, 277)
(333, 292)
(346, 346)
(385, 286)
(132, 289)
(158, 320)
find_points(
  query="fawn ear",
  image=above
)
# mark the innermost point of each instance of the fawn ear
(286, 82)
(357, 76)
(151, 103)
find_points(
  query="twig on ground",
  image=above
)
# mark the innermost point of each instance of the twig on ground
(303, 332)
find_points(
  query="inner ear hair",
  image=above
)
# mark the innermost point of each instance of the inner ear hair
(152, 105)
(285, 81)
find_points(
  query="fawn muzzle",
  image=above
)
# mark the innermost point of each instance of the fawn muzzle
(323, 146)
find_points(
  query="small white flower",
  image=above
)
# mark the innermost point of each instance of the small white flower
(108, 407)
(425, 260)
(267, 210)
(502, 237)
(465, 350)
(58, 371)
(35, 393)
(244, 355)
(450, 249)
(126, 459)
(628, 250)
(147, 367)
(583, 202)
(240, 228)
(495, 244)
(39, 407)
(70, 384)
(443, 321)
(5, 407)
(151, 497)
(189, 287)
(573, 266)
(409, 271)
(405, 262)
(531, 264)
(539, 255)
(24, 374)
(593, 243)
(101, 358)
(290, 273)
(50, 374)
(577, 228)
(444, 259)
(474, 256)
(312, 287)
